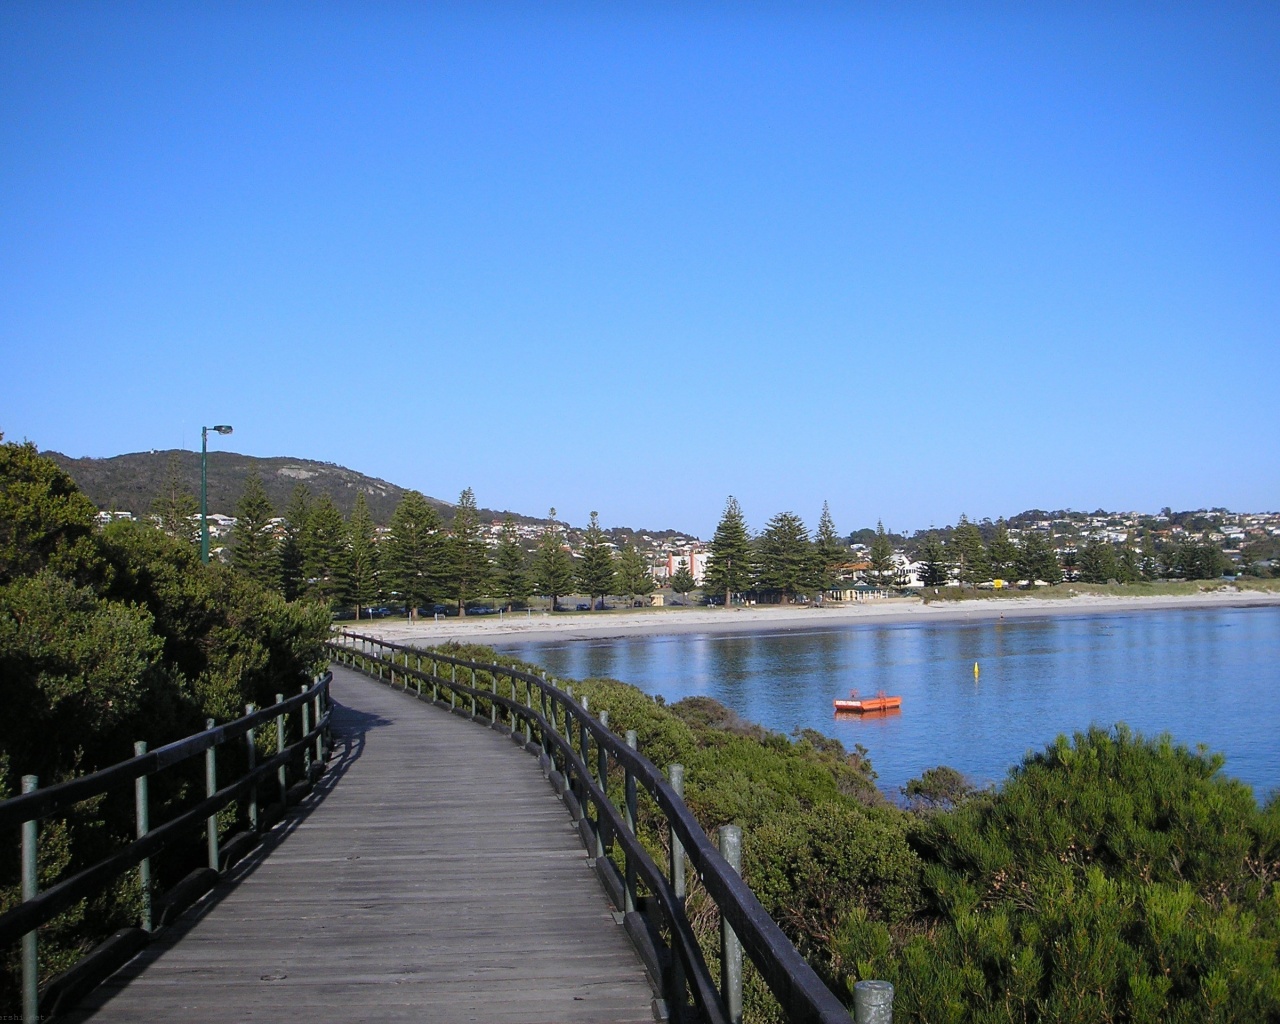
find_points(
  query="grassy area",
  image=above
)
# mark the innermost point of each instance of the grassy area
(1160, 588)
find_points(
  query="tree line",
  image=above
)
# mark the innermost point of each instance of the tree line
(419, 561)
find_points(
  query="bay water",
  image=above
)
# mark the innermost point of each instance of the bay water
(1206, 676)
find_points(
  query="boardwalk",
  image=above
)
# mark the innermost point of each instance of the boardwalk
(433, 876)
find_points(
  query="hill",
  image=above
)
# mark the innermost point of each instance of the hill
(130, 482)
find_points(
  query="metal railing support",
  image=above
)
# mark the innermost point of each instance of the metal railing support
(306, 728)
(142, 811)
(251, 750)
(730, 946)
(210, 788)
(30, 890)
(675, 976)
(629, 793)
(873, 1002)
(282, 774)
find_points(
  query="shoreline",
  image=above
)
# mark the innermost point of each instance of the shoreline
(543, 627)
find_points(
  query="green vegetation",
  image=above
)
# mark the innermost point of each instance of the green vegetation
(1110, 878)
(108, 637)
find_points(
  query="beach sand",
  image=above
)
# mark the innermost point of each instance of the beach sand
(541, 627)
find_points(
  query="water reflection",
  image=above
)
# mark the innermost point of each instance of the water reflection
(1206, 676)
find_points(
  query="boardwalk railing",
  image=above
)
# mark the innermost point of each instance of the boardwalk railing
(580, 754)
(303, 760)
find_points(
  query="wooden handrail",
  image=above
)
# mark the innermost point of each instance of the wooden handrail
(796, 986)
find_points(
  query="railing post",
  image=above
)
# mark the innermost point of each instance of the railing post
(629, 791)
(676, 978)
(453, 694)
(528, 722)
(252, 751)
(493, 705)
(435, 686)
(210, 788)
(306, 728)
(319, 732)
(676, 774)
(142, 810)
(282, 773)
(730, 947)
(30, 890)
(873, 1002)
(472, 673)
(602, 776)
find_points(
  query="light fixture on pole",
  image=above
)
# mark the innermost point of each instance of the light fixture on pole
(221, 428)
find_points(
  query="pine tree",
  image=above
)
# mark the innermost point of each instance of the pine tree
(1002, 553)
(255, 551)
(414, 560)
(831, 552)
(596, 575)
(969, 553)
(634, 578)
(326, 564)
(469, 568)
(551, 571)
(682, 581)
(176, 507)
(364, 556)
(731, 560)
(1037, 559)
(296, 515)
(935, 569)
(789, 563)
(511, 575)
(1097, 562)
(882, 571)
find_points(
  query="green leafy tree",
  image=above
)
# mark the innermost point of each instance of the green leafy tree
(255, 551)
(469, 567)
(633, 576)
(1037, 560)
(365, 582)
(511, 569)
(326, 554)
(176, 507)
(682, 581)
(731, 558)
(789, 563)
(831, 551)
(1002, 553)
(45, 521)
(935, 562)
(596, 575)
(881, 572)
(969, 553)
(552, 568)
(415, 557)
(296, 516)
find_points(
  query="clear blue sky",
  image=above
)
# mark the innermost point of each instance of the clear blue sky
(916, 260)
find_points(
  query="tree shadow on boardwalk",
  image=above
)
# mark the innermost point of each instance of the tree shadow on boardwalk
(350, 736)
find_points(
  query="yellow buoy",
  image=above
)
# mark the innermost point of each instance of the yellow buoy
(975, 670)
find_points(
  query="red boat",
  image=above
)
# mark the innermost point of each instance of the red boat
(860, 706)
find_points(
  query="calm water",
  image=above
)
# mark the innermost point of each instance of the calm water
(1205, 676)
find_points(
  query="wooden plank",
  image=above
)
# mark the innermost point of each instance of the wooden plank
(432, 876)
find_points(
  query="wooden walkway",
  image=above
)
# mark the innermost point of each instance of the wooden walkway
(432, 876)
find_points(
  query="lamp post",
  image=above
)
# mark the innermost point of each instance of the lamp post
(221, 428)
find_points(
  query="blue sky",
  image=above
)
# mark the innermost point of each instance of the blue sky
(915, 260)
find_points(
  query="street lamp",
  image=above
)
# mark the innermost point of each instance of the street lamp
(221, 428)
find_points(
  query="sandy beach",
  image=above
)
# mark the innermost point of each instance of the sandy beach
(540, 626)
